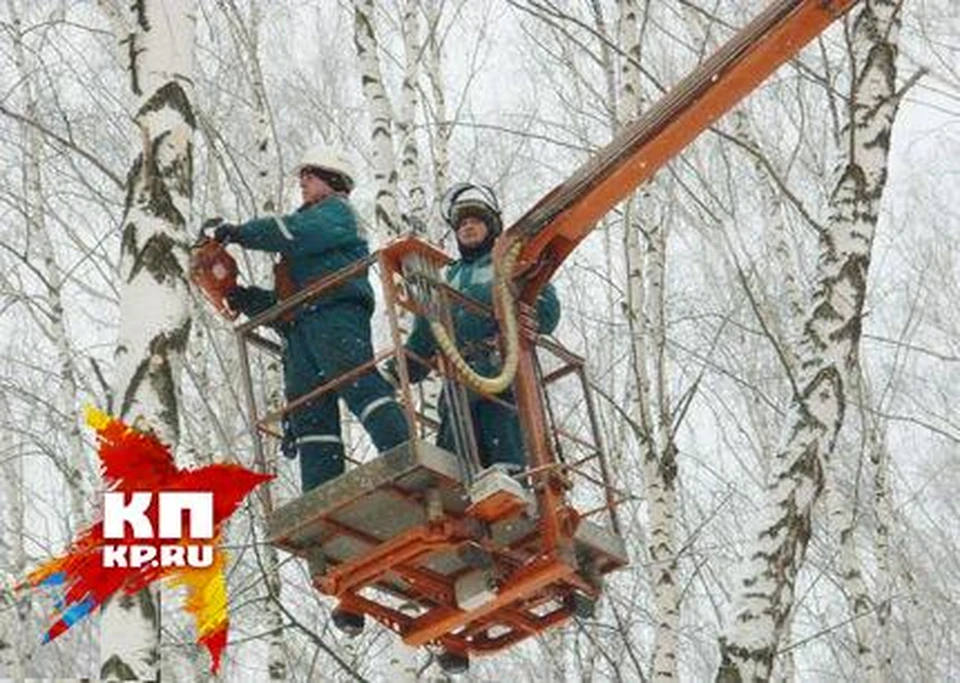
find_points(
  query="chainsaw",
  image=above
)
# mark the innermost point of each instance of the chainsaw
(213, 270)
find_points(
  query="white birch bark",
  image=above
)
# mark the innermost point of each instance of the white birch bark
(606, 227)
(406, 123)
(883, 523)
(441, 128)
(154, 319)
(779, 244)
(628, 37)
(268, 195)
(764, 591)
(786, 665)
(844, 520)
(607, 60)
(269, 186)
(646, 269)
(870, 607)
(845, 515)
(378, 103)
(660, 474)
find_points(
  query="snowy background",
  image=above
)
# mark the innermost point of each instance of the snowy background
(516, 94)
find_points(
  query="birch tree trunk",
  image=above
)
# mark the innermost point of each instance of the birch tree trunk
(828, 356)
(870, 609)
(269, 185)
(646, 269)
(154, 320)
(406, 123)
(883, 523)
(625, 24)
(846, 513)
(378, 103)
(660, 474)
(441, 128)
(268, 189)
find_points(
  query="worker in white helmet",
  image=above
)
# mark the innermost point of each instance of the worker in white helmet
(331, 334)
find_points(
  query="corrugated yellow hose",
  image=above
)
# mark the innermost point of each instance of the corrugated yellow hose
(489, 385)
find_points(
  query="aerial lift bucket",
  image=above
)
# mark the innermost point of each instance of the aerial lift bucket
(423, 541)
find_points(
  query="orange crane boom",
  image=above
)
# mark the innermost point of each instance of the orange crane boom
(565, 216)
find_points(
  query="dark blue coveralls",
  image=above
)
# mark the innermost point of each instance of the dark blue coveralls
(496, 427)
(328, 337)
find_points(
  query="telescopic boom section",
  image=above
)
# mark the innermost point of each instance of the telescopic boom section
(565, 216)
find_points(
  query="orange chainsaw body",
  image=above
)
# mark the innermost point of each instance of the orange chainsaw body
(214, 271)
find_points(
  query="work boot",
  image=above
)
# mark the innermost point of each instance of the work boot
(348, 623)
(453, 663)
(320, 461)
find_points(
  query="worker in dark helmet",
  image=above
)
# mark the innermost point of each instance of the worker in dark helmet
(474, 214)
(331, 334)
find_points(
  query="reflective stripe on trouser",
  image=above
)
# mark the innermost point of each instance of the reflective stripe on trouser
(326, 343)
(385, 422)
(321, 459)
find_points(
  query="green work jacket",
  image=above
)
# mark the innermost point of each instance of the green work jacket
(317, 240)
(475, 332)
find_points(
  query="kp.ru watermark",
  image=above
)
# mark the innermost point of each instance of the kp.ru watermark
(123, 509)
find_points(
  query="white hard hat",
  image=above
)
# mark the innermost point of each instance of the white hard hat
(329, 159)
(465, 199)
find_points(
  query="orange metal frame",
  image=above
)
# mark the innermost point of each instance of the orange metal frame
(540, 573)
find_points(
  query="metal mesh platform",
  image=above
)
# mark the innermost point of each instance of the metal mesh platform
(370, 504)
(348, 517)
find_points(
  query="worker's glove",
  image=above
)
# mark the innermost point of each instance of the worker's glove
(238, 298)
(388, 371)
(226, 232)
(528, 322)
(288, 444)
